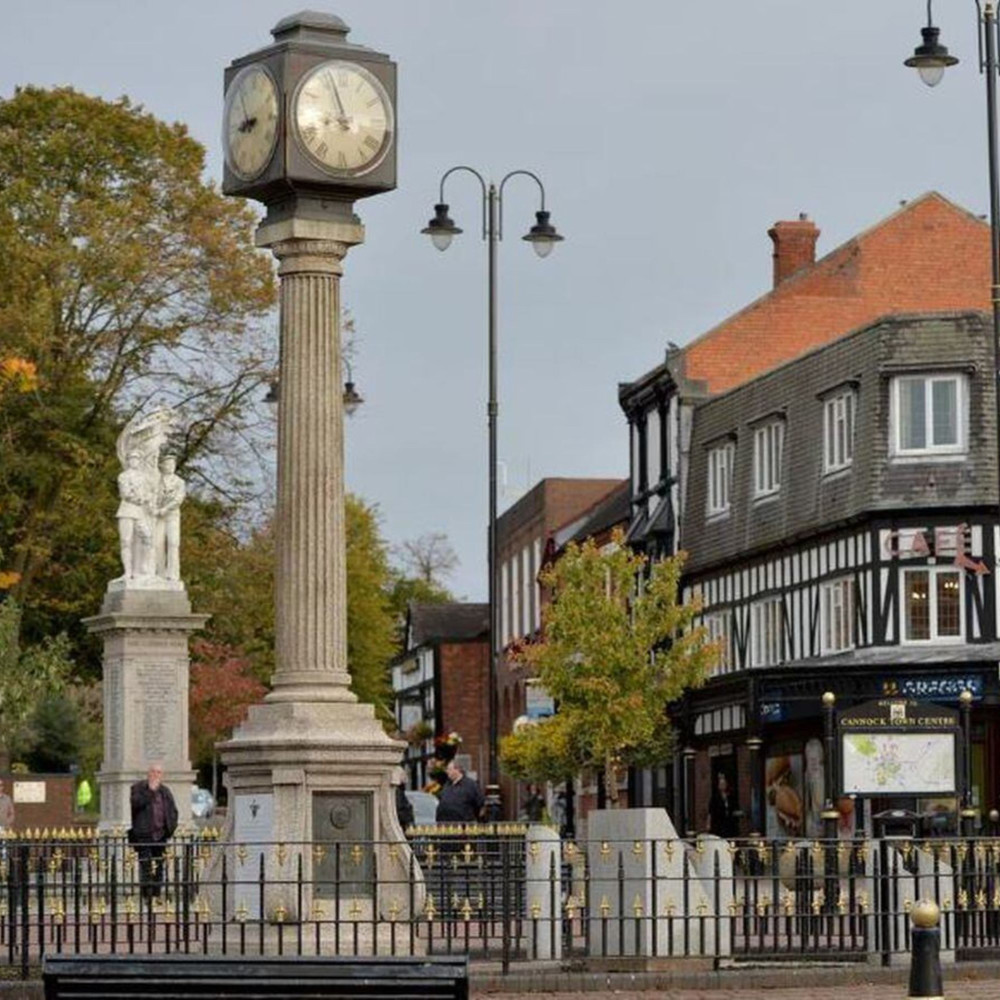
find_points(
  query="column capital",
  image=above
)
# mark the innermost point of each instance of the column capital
(305, 256)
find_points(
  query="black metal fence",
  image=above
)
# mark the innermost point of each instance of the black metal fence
(502, 894)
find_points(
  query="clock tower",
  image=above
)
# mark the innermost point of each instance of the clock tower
(309, 127)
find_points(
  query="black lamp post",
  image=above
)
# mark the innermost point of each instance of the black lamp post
(930, 60)
(543, 237)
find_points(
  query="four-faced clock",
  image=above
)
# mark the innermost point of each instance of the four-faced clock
(250, 122)
(342, 118)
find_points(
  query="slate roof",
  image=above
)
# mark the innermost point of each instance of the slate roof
(808, 500)
(454, 622)
(610, 510)
(905, 654)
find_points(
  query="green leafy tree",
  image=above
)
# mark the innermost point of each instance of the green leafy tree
(613, 655)
(126, 280)
(27, 675)
(371, 625)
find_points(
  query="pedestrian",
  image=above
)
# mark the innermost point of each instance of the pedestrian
(6, 810)
(722, 819)
(534, 805)
(404, 807)
(460, 800)
(154, 819)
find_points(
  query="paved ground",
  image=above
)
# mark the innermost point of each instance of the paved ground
(956, 990)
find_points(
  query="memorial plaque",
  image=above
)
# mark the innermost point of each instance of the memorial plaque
(253, 827)
(342, 823)
(29, 791)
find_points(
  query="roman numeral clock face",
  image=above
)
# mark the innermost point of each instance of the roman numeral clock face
(250, 122)
(343, 118)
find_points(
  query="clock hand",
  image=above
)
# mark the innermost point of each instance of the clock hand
(342, 119)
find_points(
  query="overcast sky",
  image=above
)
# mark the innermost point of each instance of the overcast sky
(670, 135)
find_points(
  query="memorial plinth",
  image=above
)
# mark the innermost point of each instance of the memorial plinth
(145, 635)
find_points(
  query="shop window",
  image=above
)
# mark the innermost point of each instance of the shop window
(932, 604)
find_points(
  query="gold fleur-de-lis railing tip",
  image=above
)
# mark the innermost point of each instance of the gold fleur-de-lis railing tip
(605, 850)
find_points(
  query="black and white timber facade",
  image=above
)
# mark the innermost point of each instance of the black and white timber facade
(839, 515)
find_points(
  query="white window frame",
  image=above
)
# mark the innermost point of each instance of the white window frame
(836, 632)
(766, 628)
(526, 590)
(961, 415)
(933, 572)
(654, 474)
(505, 602)
(839, 413)
(537, 587)
(515, 599)
(768, 449)
(719, 625)
(721, 461)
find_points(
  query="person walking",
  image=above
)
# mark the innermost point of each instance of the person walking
(722, 818)
(154, 819)
(534, 805)
(460, 800)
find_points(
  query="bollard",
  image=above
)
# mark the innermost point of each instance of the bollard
(925, 963)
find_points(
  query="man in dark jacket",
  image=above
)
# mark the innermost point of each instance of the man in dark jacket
(460, 800)
(154, 819)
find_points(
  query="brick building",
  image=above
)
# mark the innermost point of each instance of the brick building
(526, 534)
(930, 256)
(441, 684)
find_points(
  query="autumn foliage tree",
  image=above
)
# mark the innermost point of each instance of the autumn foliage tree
(615, 652)
(126, 279)
(222, 688)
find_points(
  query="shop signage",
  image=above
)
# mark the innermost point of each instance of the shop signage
(945, 541)
(902, 714)
(946, 687)
(539, 704)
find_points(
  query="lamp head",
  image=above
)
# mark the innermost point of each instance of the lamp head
(441, 229)
(542, 235)
(931, 58)
(352, 398)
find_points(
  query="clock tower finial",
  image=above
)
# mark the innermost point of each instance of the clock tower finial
(308, 25)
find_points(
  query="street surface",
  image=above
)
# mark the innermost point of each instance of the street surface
(957, 989)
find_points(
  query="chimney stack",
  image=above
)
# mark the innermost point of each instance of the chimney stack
(794, 246)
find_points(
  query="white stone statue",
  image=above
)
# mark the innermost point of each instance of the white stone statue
(151, 492)
(168, 520)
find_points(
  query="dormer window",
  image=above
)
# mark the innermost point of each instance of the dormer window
(930, 414)
(838, 431)
(768, 441)
(720, 477)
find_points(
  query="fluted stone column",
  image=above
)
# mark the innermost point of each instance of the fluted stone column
(311, 762)
(310, 571)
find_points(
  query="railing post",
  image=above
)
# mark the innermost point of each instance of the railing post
(925, 964)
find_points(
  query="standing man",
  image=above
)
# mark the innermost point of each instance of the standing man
(154, 819)
(168, 520)
(460, 800)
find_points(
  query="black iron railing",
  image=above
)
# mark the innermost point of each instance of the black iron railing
(503, 894)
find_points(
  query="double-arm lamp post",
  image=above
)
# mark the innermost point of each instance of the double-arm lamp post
(931, 59)
(543, 237)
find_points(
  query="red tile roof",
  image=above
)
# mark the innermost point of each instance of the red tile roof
(929, 256)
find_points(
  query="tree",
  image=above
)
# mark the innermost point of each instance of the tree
(614, 654)
(429, 558)
(222, 689)
(125, 280)
(27, 675)
(371, 626)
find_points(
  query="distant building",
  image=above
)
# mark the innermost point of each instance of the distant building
(441, 685)
(526, 534)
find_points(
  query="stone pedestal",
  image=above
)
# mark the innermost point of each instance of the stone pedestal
(145, 633)
(311, 765)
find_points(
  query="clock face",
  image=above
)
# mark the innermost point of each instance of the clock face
(250, 122)
(343, 118)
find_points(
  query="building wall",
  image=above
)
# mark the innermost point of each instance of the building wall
(463, 673)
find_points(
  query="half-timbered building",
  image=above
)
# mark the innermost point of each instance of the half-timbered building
(842, 529)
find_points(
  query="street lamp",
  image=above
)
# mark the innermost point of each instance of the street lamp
(930, 60)
(543, 237)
